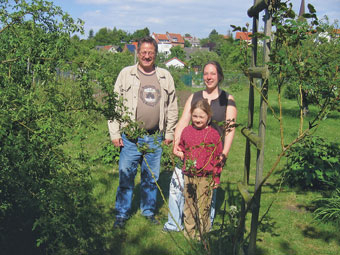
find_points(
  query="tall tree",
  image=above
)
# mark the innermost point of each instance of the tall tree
(177, 52)
(91, 34)
(138, 34)
(102, 37)
(200, 58)
(213, 33)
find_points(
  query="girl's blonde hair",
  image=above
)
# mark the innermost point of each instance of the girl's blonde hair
(204, 106)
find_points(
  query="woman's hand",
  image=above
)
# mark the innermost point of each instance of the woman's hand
(215, 185)
(178, 152)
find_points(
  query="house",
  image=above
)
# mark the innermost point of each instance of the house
(227, 37)
(163, 42)
(161, 38)
(175, 62)
(175, 39)
(166, 41)
(99, 47)
(243, 36)
(194, 41)
(109, 48)
(337, 32)
(131, 47)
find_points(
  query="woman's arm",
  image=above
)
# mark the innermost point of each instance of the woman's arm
(231, 114)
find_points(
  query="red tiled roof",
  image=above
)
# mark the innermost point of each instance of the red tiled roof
(169, 38)
(160, 37)
(107, 47)
(177, 36)
(243, 36)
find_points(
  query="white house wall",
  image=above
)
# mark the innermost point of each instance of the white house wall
(164, 48)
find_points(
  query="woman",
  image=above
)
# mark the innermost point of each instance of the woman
(224, 110)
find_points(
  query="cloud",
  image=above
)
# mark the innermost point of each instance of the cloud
(126, 8)
(154, 20)
(197, 17)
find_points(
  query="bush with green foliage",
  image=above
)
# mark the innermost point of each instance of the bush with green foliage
(46, 202)
(109, 154)
(313, 163)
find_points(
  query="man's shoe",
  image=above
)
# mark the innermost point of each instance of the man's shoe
(119, 223)
(152, 219)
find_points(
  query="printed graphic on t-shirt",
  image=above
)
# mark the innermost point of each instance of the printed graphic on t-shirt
(149, 95)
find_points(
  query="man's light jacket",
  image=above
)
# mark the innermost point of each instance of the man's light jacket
(127, 87)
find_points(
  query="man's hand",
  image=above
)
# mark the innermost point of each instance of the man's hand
(118, 142)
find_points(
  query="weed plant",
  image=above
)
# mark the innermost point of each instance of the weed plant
(328, 208)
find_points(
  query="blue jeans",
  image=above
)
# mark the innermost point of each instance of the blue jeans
(176, 202)
(150, 162)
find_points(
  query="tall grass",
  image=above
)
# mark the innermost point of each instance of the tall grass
(287, 228)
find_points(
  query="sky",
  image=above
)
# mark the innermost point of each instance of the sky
(195, 17)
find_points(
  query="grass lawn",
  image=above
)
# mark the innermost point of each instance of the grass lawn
(288, 227)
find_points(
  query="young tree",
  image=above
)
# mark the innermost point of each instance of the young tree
(187, 44)
(177, 52)
(307, 61)
(294, 58)
(46, 196)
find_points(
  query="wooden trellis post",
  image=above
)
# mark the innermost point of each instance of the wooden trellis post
(258, 140)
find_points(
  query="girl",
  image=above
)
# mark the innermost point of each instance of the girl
(200, 146)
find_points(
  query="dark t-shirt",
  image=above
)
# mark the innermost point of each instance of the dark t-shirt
(218, 108)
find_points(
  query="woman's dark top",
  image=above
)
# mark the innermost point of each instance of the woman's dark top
(218, 108)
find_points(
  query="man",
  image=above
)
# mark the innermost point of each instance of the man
(149, 94)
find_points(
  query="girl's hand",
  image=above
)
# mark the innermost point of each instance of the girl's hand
(221, 160)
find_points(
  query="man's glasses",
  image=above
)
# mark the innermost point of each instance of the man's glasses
(144, 53)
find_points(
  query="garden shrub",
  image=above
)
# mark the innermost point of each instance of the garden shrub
(108, 154)
(313, 163)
